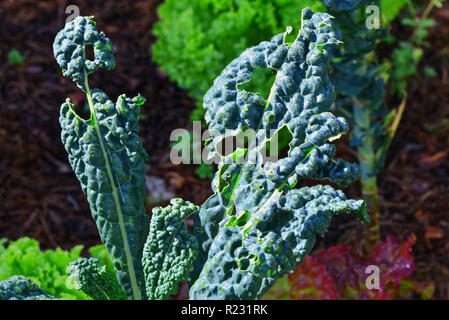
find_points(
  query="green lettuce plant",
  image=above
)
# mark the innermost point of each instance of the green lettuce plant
(407, 57)
(47, 268)
(257, 226)
(361, 93)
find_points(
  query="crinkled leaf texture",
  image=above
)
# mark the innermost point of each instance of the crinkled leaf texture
(109, 163)
(170, 250)
(94, 280)
(21, 288)
(70, 45)
(193, 37)
(394, 258)
(255, 228)
(311, 281)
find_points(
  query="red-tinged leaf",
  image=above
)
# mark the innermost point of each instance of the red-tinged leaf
(344, 265)
(340, 273)
(374, 294)
(394, 259)
(310, 281)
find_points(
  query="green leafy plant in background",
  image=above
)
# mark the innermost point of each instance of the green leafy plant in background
(46, 268)
(257, 226)
(358, 81)
(15, 57)
(406, 58)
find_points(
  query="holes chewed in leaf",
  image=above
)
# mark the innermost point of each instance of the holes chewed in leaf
(89, 52)
(278, 146)
(261, 82)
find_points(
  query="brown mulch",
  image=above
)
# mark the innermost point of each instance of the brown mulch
(41, 198)
(39, 194)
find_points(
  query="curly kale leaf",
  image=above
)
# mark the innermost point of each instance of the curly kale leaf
(21, 288)
(108, 159)
(106, 153)
(255, 228)
(69, 50)
(94, 280)
(170, 250)
(248, 256)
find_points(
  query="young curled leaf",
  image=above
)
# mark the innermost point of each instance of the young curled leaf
(170, 250)
(69, 49)
(106, 153)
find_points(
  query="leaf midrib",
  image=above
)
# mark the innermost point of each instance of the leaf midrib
(129, 260)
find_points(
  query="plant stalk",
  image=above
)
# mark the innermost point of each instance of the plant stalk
(371, 196)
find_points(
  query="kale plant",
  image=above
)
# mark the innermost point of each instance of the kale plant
(361, 92)
(257, 226)
(354, 72)
(406, 58)
(21, 288)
